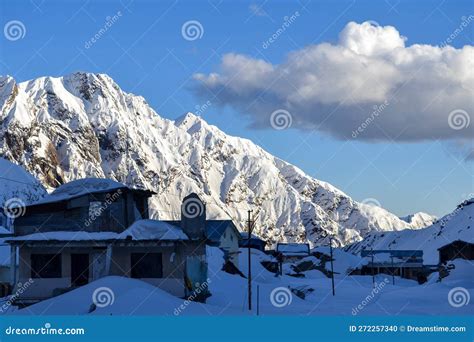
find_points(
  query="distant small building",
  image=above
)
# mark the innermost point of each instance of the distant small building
(4, 261)
(92, 228)
(225, 235)
(255, 242)
(458, 249)
(291, 252)
(403, 263)
(222, 234)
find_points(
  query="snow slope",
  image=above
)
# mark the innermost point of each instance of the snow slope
(354, 295)
(17, 188)
(16, 183)
(125, 297)
(83, 125)
(458, 225)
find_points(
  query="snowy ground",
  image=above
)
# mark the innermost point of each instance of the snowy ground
(354, 294)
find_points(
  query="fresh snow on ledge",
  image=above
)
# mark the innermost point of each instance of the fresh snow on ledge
(141, 230)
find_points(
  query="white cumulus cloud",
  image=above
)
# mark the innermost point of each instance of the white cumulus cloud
(371, 85)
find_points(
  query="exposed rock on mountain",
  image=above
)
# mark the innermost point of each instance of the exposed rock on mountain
(84, 125)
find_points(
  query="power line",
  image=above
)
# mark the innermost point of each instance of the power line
(17, 181)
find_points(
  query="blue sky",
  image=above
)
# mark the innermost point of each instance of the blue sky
(145, 53)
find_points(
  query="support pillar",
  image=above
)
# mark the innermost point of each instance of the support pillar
(13, 265)
(108, 259)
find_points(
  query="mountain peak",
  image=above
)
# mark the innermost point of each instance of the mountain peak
(6, 78)
(190, 122)
(187, 118)
(83, 125)
(79, 80)
(419, 219)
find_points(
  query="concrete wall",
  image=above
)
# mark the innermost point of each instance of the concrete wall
(117, 213)
(173, 258)
(230, 243)
(44, 287)
(173, 266)
(4, 274)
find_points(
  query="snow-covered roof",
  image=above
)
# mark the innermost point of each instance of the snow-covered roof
(381, 257)
(397, 257)
(4, 231)
(142, 230)
(81, 187)
(153, 230)
(387, 253)
(65, 236)
(216, 228)
(458, 241)
(293, 249)
(245, 235)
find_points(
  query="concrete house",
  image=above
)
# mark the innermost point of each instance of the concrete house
(224, 235)
(458, 249)
(291, 252)
(403, 263)
(254, 242)
(91, 228)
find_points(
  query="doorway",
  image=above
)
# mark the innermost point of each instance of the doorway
(79, 269)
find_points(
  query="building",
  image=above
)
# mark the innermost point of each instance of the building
(458, 249)
(255, 242)
(403, 263)
(222, 234)
(291, 252)
(91, 228)
(5, 286)
(225, 235)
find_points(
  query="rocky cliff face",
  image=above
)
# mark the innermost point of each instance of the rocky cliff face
(84, 125)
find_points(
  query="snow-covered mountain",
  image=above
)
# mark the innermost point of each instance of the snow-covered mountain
(18, 185)
(419, 219)
(17, 189)
(84, 125)
(458, 225)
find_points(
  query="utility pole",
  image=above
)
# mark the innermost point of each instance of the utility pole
(393, 272)
(250, 226)
(332, 268)
(258, 300)
(249, 277)
(373, 271)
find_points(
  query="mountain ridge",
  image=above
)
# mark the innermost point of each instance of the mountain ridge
(84, 125)
(457, 225)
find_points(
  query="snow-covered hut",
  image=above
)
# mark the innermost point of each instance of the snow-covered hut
(458, 249)
(254, 241)
(291, 252)
(91, 228)
(403, 263)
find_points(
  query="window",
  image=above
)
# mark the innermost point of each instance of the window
(147, 265)
(45, 265)
(141, 206)
(72, 214)
(95, 210)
